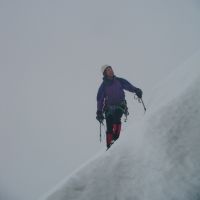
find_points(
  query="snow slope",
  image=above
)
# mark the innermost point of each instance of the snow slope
(156, 159)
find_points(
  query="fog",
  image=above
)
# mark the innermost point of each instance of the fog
(50, 58)
(156, 157)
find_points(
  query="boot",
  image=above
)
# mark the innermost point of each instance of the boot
(116, 131)
(109, 139)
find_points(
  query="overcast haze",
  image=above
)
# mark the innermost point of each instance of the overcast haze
(155, 158)
(50, 58)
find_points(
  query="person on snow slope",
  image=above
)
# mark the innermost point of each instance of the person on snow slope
(111, 102)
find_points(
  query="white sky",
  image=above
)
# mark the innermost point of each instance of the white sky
(50, 58)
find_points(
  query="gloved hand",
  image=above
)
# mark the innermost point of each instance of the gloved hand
(138, 92)
(100, 116)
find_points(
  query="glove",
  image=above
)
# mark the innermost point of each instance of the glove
(100, 116)
(138, 92)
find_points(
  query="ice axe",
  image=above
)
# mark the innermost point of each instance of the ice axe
(140, 100)
(100, 123)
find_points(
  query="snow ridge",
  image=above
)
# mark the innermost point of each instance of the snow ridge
(155, 159)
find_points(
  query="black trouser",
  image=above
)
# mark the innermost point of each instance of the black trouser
(113, 122)
(113, 116)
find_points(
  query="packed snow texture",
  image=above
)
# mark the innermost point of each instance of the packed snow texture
(154, 159)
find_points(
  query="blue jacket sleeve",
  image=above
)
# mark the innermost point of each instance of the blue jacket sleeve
(100, 97)
(126, 85)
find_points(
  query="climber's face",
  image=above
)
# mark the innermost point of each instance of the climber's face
(109, 72)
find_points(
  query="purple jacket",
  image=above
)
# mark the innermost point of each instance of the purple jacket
(111, 92)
